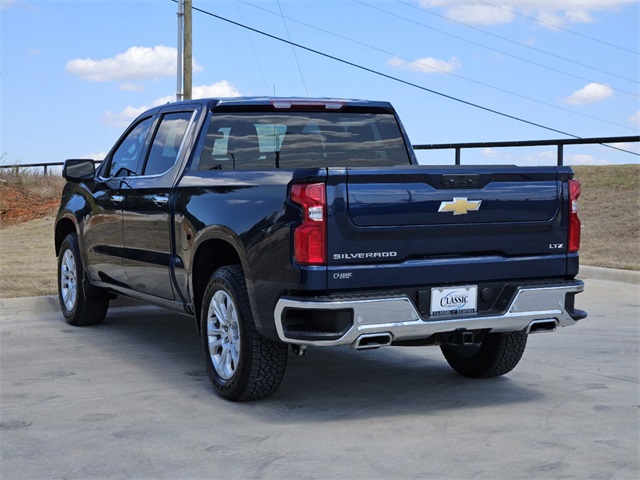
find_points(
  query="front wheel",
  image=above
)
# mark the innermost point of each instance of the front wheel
(242, 365)
(498, 354)
(78, 308)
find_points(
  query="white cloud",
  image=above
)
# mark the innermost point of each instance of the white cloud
(554, 12)
(579, 16)
(590, 93)
(546, 157)
(585, 159)
(550, 18)
(396, 62)
(489, 153)
(131, 87)
(219, 89)
(479, 14)
(93, 156)
(137, 63)
(502, 156)
(7, 4)
(426, 65)
(635, 118)
(125, 116)
(630, 146)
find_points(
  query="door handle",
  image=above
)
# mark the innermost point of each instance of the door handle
(117, 198)
(160, 200)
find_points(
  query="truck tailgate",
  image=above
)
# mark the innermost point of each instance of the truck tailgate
(448, 216)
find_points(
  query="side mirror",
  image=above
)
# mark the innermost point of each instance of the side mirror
(79, 170)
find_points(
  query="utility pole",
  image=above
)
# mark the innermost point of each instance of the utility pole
(185, 55)
(179, 49)
(188, 51)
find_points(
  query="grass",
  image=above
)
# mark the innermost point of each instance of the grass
(609, 210)
(27, 260)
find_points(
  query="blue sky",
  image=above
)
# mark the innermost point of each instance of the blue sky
(75, 73)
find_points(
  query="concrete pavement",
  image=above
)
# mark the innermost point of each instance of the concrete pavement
(130, 399)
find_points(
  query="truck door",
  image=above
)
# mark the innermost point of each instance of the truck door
(147, 210)
(103, 236)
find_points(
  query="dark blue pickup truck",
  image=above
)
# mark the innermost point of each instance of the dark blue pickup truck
(298, 222)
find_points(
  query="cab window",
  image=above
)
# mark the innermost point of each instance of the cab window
(166, 143)
(124, 161)
(265, 141)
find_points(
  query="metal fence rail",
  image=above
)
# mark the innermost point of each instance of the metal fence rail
(45, 166)
(559, 143)
(33, 165)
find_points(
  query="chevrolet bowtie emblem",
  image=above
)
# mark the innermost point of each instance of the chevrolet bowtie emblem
(460, 206)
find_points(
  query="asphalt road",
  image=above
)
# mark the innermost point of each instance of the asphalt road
(130, 399)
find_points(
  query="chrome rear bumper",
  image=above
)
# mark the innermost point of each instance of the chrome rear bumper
(399, 317)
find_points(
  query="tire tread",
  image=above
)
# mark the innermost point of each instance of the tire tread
(262, 376)
(86, 312)
(498, 354)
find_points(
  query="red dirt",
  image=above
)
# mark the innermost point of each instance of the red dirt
(18, 206)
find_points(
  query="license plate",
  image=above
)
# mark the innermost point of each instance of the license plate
(454, 300)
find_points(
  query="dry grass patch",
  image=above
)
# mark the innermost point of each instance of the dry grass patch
(28, 265)
(610, 214)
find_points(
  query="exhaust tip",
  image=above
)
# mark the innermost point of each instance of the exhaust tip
(372, 340)
(541, 326)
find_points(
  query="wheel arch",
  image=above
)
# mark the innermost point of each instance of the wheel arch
(64, 226)
(210, 255)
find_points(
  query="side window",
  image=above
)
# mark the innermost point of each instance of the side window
(166, 143)
(124, 161)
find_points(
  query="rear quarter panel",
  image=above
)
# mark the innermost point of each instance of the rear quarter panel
(249, 210)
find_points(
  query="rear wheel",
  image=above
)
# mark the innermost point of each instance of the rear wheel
(79, 308)
(242, 365)
(498, 354)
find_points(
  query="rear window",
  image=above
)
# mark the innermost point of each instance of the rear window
(265, 141)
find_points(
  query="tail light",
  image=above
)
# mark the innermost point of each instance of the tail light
(574, 221)
(309, 238)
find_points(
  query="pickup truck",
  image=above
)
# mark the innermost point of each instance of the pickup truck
(285, 223)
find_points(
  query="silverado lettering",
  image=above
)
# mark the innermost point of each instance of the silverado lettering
(348, 256)
(229, 211)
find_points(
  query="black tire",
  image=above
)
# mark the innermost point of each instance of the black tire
(497, 355)
(80, 308)
(253, 366)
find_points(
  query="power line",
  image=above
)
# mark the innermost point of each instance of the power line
(255, 55)
(442, 70)
(391, 77)
(513, 41)
(292, 49)
(377, 72)
(560, 27)
(386, 12)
